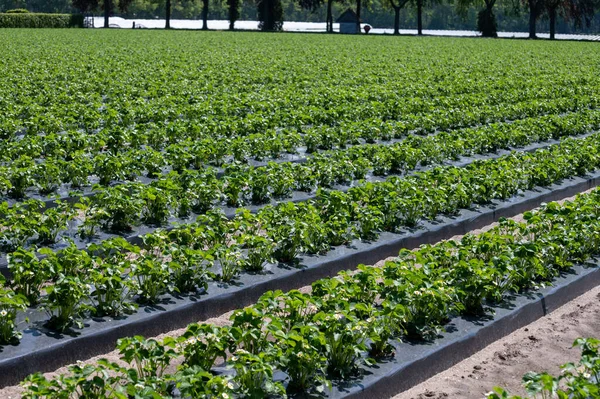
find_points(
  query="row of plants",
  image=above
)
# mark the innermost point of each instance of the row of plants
(349, 322)
(271, 141)
(119, 209)
(74, 160)
(579, 380)
(246, 93)
(72, 284)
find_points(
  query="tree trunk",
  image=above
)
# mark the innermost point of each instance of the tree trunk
(329, 17)
(268, 13)
(532, 19)
(552, 13)
(420, 17)
(358, 3)
(168, 15)
(396, 20)
(107, 4)
(205, 15)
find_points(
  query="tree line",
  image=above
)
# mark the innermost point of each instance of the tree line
(569, 15)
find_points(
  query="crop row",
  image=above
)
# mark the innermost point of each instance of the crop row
(111, 277)
(231, 93)
(76, 159)
(346, 323)
(118, 209)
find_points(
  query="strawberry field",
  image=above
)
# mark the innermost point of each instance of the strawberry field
(152, 179)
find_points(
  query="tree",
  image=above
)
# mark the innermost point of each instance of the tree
(486, 20)
(233, 12)
(580, 12)
(168, 14)
(396, 5)
(419, 17)
(358, 7)
(314, 5)
(535, 9)
(270, 15)
(86, 6)
(420, 4)
(169, 8)
(204, 14)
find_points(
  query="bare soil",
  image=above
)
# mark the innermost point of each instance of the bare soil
(541, 346)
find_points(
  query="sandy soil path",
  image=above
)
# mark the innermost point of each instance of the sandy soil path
(541, 346)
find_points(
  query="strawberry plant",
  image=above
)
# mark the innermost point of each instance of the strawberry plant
(259, 251)
(28, 274)
(194, 382)
(254, 375)
(230, 262)
(148, 357)
(345, 340)
(302, 360)
(152, 278)
(188, 269)
(10, 304)
(118, 210)
(156, 208)
(203, 344)
(112, 294)
(65, 304)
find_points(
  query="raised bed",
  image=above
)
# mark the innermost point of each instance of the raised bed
(134, 237)
(42, 350)
(415, 363)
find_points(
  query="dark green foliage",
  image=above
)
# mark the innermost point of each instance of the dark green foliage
(30, 20)
(270, 15)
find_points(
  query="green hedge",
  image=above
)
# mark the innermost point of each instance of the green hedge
(31, 20)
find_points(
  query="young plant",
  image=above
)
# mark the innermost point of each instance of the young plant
(156, 203)
(148, 357)
(345, 340)
(259, 251)
(92, 218)
(204, 191)
(259, 185)
(10, 304)
(69, 261)
(82, 381)
(233, 188)
(47, 177)
(386, 323)
(473, 282)
(21, 178)
(152, 278)
(230, 261)
(28, 274)
(254, 375)
(203, 344)
(120, 207)
(302, 359)
(65, 304)
(52, 221)
(188, 269)
(195, 382)
(112, 292)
